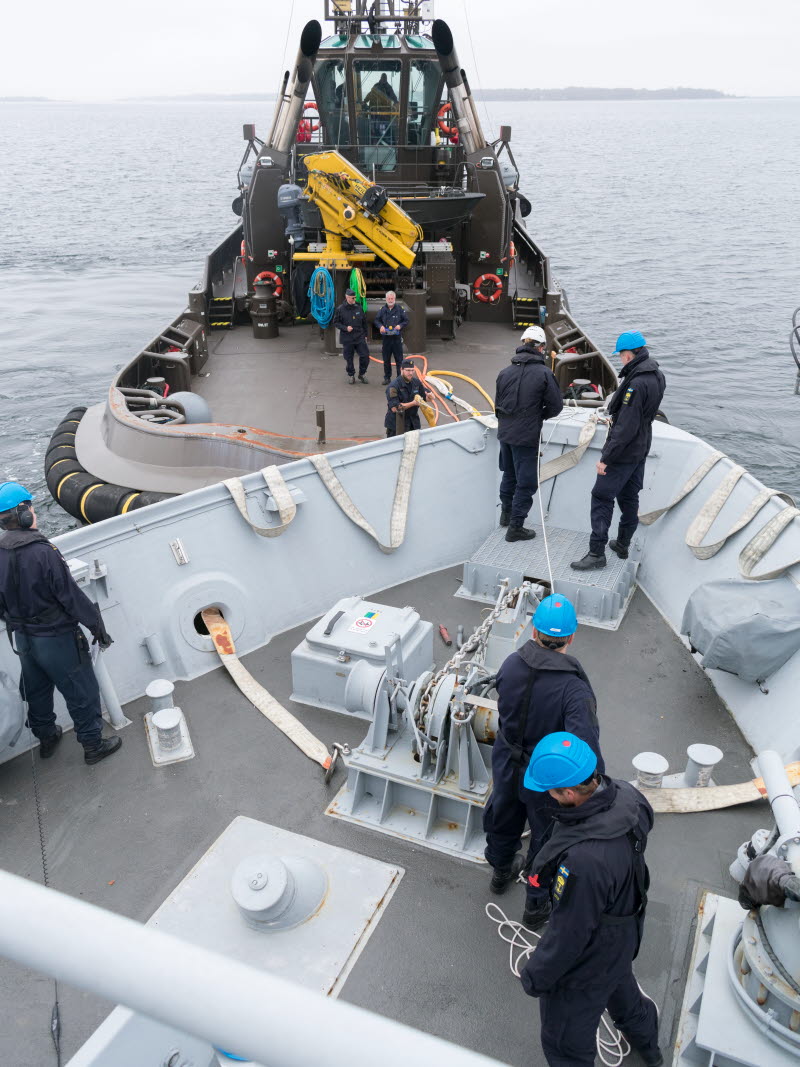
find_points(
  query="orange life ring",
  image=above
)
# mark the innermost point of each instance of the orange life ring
(309, 105)
(487, 298)
(451, 132)
(268, 275)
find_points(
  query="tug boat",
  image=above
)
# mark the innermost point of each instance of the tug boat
(375, 171)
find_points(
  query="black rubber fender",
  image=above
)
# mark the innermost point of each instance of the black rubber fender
(85, 497)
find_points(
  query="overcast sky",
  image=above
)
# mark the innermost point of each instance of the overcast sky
(94, 49)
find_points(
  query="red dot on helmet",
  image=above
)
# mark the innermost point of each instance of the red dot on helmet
(566, 744)
(558, 604)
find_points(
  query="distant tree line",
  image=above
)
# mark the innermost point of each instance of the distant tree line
(574, 92)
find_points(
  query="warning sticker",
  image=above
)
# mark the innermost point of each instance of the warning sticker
(364, 623)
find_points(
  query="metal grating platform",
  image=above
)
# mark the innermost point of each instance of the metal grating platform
(600, 597)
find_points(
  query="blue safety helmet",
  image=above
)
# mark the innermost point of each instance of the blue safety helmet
(629, 342)
(555, 617)
(559, 761)
(12, 494)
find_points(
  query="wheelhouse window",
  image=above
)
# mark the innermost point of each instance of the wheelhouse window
(377, 105)
(424, 90)
(331, 93)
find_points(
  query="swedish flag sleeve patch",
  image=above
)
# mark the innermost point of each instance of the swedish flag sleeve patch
(628, 394)
(561, 884)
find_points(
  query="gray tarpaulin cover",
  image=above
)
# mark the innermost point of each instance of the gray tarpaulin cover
(745, 630)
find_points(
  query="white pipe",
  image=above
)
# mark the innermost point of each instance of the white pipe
(109, 694)
(781, 798)
(269, 1019)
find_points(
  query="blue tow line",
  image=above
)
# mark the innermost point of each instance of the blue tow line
(320, 289)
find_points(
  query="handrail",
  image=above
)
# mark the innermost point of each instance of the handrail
(211, 996)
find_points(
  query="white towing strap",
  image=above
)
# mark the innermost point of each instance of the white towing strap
(712, 797)
(287, 509)
(402, 492)
(258, 696)
(560, 464)
(754, 551)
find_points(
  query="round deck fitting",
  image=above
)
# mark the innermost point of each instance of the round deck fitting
(277, 894)
(650, 769)
(159, 692)
(167, 722)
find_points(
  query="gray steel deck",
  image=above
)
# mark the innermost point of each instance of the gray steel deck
(124, 833)
(277, 385)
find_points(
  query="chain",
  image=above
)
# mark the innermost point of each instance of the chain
(55, 1015)
(473, 643)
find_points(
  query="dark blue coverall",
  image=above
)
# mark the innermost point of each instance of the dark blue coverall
(402, 392)
(394, 320)
(594, 863)
(526, 394)
(633, 408)
(356, 341)
(539, 691)
(43, 605)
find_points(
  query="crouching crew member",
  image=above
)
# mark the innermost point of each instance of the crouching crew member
(42, 605)
(593, 862)
(351, 320)
(526, 394)
(620, 469)
(392, 319)
(403, 398)
(540, 689)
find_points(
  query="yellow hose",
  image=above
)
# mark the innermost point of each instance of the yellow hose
(465, 378)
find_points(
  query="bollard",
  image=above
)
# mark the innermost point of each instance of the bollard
(700, 765)
(650, 769)
(160, 692)
(167, 722)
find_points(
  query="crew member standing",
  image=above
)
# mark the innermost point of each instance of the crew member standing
(392, 319)
(620, 469)
(526, 394)
(594, 863)
(42, 605)
(352, 323)
(403, 398)
(540, 688)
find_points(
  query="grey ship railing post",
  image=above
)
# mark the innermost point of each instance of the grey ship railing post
(273, 1021)
(783, 803)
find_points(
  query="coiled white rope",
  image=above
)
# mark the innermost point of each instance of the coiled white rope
(612, 1046)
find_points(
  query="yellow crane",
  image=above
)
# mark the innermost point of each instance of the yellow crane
(353, 206)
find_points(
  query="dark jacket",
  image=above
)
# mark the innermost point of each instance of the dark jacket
(394, 320)
(37, 592)
(594, 869)
(402, 392)
(526, 394)
(632, 408)
(561, 699)
(350, 315)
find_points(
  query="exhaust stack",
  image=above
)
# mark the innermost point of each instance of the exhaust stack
(469, 127)
(290, 105)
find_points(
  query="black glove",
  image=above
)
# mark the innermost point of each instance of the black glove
(768, 880)
(101, 636)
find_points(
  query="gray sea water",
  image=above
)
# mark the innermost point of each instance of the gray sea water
(676, 218)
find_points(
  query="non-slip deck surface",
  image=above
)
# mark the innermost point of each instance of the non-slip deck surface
(124, 833)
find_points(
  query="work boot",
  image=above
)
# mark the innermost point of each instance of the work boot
(505, 516)
(47, 745)
(536, 915)
(590, 562)
(519, 533)
(620, 549)
(362, 379)
(106, 746)
(351, 378)
(502, 877)
(386, 380)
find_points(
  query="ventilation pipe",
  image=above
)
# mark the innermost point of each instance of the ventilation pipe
(290, 105)
(469, 127)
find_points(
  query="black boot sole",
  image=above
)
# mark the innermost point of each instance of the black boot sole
(46, 749)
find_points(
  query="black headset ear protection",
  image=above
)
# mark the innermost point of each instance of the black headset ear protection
(25, 515)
